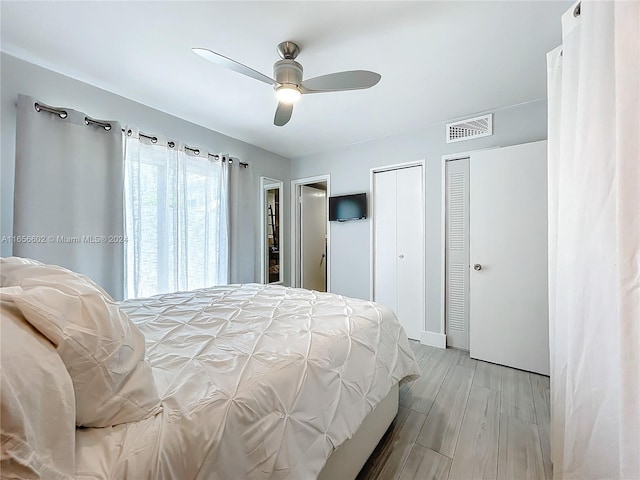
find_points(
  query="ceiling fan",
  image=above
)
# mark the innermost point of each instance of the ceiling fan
(288, 82)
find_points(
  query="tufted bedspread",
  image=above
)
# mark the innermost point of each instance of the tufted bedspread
(256, 381)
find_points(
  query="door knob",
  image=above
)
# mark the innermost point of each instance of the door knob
(401, 255)
(477, 267)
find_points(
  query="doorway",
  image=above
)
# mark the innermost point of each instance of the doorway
(270, 230)
(310, 233)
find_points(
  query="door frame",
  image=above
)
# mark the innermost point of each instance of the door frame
(264, 186)
(443, 230)
(397, 166)
(295, 227)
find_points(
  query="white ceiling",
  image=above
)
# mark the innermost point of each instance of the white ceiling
(439, 60)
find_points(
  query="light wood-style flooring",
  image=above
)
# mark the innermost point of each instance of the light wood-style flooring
(466, 419)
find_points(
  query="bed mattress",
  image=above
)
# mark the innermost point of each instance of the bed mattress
(256, 382)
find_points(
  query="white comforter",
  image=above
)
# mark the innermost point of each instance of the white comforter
(256, 382)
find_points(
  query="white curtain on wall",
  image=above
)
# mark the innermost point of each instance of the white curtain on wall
(176, 216)
(68, 206)
(594, 242)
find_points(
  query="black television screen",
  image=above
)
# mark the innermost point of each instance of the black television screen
(348, 207)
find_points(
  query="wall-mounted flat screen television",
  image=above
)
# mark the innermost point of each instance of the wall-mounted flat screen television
(348, 207)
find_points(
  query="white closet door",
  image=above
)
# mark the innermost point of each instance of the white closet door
(384, 241)
(457, 253)
(509, 308)
(410, 250)
(398, 242)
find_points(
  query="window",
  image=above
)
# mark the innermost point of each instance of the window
(175, 217)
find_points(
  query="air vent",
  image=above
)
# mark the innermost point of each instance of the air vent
(470, 128)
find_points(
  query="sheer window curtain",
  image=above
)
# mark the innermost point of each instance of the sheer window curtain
(68, 207)
(594, 242)
(176, 217)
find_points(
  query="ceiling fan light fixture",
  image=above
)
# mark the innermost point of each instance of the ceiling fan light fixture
(288, 94)
(287, 78)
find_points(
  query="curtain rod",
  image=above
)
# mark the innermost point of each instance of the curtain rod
(107, 126)
(63, 114)
(172, 144)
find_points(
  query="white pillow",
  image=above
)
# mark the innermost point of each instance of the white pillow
(15, 270)
(38, 407)
(100, 346)
(10, 267)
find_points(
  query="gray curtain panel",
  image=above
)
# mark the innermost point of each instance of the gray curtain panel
(241, 220)
(68, 207)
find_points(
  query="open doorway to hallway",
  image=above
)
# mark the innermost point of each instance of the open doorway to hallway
(310, 233)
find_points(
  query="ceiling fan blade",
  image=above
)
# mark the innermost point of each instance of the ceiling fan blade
(232, 65)
(283, 114)
(336, 82)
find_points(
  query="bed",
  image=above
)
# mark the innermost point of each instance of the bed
(254, 381)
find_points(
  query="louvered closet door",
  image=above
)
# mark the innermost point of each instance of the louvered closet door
(457, 253)
(398, 243)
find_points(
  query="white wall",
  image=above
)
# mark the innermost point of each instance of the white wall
(18, 76)
(350, 173)
(349, 167)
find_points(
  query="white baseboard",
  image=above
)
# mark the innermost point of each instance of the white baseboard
(433, 339)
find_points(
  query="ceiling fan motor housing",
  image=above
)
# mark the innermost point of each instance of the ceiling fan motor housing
(287, 72)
